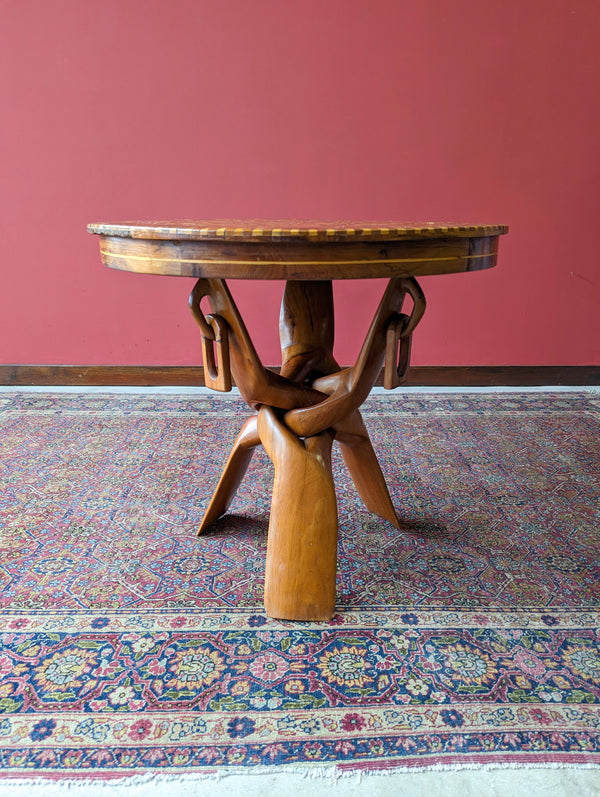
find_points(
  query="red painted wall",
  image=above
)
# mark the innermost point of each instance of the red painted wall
(408, 109)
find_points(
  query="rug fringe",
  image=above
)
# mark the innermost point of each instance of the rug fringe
(333, 774)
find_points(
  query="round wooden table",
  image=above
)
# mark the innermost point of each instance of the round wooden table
(311, 402)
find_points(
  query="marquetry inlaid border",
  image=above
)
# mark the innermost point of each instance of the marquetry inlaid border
(254, 230)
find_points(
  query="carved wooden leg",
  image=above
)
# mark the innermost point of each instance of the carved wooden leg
(362, 463)
(302, 542)
(233, 473)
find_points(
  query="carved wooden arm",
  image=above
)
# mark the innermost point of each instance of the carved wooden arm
(236, 351)
(350, 387)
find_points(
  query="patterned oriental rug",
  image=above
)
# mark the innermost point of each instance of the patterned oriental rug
(469, 637)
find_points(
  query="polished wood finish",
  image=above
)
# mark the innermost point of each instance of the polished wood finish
(288, 230)
(302, 542)
(296, 251)
(233, 472)
(348, 388)
(300, 260)
(363, 466)
(300, 412)
(306, 331)
(312, 401)
(257, 384)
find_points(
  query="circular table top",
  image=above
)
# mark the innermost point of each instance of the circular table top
(296, 250)
(269, 230)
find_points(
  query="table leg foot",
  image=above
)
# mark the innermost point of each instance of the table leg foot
(233, 473)
(302, 541)
(361, 461)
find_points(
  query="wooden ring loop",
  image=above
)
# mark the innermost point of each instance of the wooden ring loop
(199, 291)
(217, 371)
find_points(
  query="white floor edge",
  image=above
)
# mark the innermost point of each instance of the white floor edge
(515, 782)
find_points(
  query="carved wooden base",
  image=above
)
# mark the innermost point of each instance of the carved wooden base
(300, 412)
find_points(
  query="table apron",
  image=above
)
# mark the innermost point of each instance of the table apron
(299, 261)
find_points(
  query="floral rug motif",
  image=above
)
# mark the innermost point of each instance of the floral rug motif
(468, 636)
